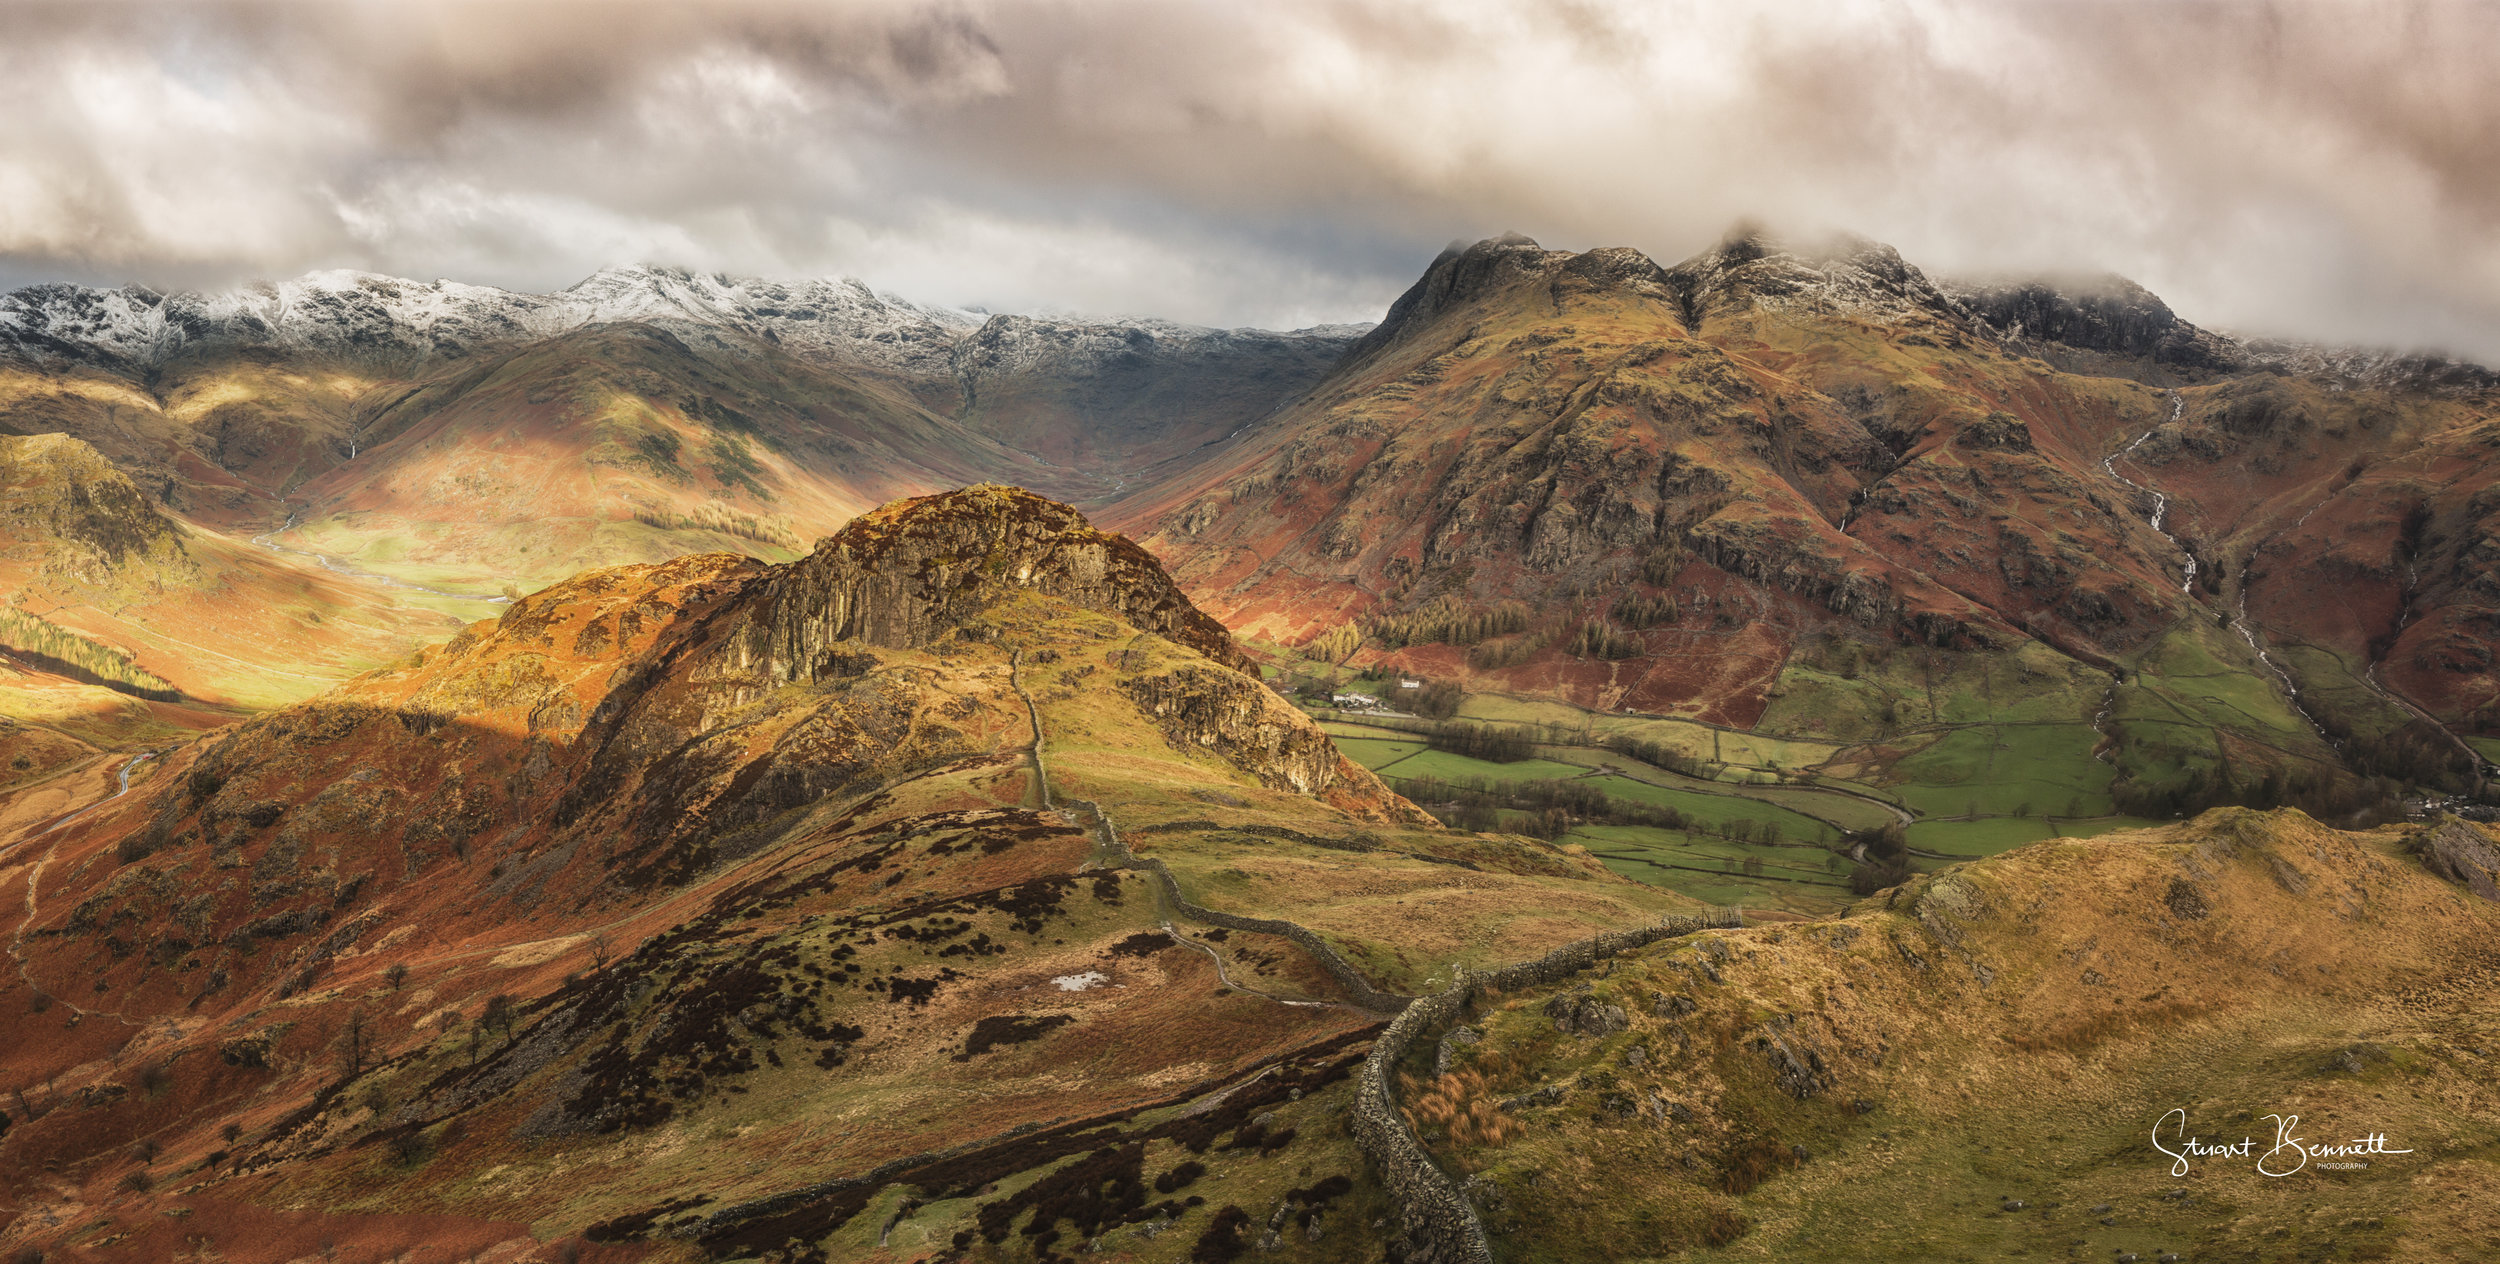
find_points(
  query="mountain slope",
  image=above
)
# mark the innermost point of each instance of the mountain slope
(1537, 425)
(240, 396)
(83, 548)
(707, 909)
(622, 444)
(2008, 1059)
(1721, 491)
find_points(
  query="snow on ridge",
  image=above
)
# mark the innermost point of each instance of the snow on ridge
(364, 314)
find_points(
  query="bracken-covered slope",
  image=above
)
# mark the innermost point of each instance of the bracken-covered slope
(2006, 1060)
(102, 590)
(712, 909)
(1773, 441)
(1684, 491)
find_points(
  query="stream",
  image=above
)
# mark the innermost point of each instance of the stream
(2100, 722)
(143, 757)
(2291, 690)
(2161, 502)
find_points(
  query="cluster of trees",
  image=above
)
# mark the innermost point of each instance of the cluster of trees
(1843, 656)
(2328, 794)
(1600, 639)
(1437, 699)
(47, 646)
(1500, 744)
(1661, 755)
(1447, 620)
(1508, 651)
(1638, 612)
(1887, 859)
(2418, 753)
(1550, 807)
(712, 515)
(1662, 564)
(1332, 645)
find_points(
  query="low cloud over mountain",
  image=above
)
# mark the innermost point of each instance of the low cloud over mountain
(2323, 171)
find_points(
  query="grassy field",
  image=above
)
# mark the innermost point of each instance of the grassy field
(1450, 767)
(1838, 689)
(2034, 762)
(1716, 810)
(1842, 811)
(1795, 879)
(2002, 767)
(1984, 837)
(1377, 753)
(2207, 675)
(2197, 685)
(1700, 741)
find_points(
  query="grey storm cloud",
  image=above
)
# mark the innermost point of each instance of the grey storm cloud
(2326, 170)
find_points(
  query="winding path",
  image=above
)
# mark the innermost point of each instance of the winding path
(1111, 853)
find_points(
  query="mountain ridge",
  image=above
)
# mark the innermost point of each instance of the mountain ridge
(351, 312)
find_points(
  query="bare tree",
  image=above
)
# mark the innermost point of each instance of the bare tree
(601, 948)
(354, 1046)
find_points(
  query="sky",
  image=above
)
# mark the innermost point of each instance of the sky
(2327, 171)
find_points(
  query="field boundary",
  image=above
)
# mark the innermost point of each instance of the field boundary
(1440, 1225)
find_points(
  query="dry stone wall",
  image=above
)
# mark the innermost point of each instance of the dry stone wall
(1440, 1225)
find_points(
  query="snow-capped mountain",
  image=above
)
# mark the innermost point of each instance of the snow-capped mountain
(367, 316)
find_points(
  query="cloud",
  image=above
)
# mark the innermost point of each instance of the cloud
(2329, 170)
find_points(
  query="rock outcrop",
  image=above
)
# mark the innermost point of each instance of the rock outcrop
(2111, 315)
(2464, 855)
(1244, 722)
(1464, 274)
(913, 571)
(1851, 276)
(60, 497)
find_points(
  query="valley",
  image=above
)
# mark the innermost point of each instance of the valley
(692, 768)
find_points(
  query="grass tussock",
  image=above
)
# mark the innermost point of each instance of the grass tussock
(1459, 1107)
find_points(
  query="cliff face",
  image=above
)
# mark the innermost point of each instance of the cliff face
(2109, 315)
(1247, 724)
(913, 571)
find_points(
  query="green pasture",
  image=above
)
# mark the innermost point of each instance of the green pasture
(1999, 768)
